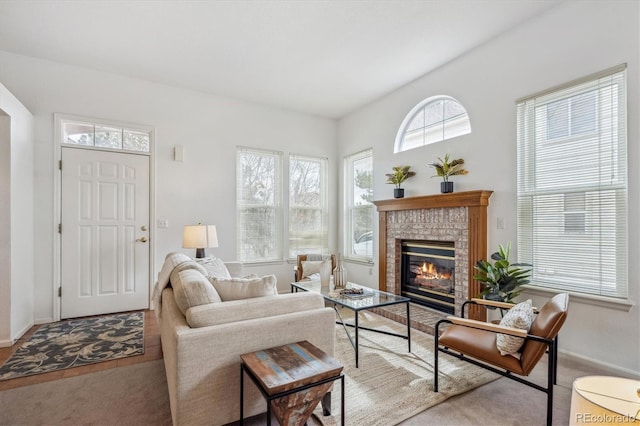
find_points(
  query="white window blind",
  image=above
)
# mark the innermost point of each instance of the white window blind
(259, 205)
(359, 206)
(308, 205)
(572, 185)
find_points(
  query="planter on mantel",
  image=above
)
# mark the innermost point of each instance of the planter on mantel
(398, 192)
(446, 187)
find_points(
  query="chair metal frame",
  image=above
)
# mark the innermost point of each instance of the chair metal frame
(552, 349)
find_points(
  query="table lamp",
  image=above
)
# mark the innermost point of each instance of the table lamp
(199, 237)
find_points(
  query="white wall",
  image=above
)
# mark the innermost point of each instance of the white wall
(570, 41)
(16, 218)
(200, 189)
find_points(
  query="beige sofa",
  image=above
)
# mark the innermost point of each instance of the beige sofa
(202, 346)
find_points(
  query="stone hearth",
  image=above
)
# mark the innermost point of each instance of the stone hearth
(460, 218)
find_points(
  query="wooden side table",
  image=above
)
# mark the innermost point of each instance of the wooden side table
(293, 378)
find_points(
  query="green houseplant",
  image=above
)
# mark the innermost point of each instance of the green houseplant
(445, 168)
(399, 175)
(501, 280)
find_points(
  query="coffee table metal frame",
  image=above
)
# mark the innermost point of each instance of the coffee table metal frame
(371, 299)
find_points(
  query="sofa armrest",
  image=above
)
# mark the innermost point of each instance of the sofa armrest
(247, 309)
(207, 362)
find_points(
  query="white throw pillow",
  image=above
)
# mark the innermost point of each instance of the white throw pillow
(215, 267)
(310, 267)
(191, 288)
(241, 288)
(519, 316)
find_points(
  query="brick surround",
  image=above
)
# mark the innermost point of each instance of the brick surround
(457, 217)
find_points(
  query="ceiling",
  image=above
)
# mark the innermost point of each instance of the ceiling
(323, 57)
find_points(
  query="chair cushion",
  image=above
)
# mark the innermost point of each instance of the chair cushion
(191, 288)
(244, 288)
(520, 316)
(310, 267)
(479, 344)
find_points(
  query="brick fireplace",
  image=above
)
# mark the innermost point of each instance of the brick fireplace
(459, 219)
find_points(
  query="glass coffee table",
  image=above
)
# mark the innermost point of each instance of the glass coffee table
(371, 298)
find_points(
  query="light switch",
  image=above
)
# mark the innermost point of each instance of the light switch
(500, 223)
(163, 223)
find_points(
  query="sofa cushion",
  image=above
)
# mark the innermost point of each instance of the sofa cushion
(244, 288)
(247, 309)
(520, 316)
(192, 288)
(215, 267)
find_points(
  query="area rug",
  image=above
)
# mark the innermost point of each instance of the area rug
(391, 384)
(78, 342)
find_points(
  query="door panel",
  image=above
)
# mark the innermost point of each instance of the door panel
(105, 214)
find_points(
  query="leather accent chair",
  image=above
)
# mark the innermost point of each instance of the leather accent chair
(475, 342)
(297, 270)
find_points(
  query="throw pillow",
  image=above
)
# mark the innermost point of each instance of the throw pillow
(310, 267)
(191, 288)
(215, 267)
(244, 288)
(519, 316)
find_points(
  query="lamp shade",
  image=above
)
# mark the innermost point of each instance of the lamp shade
(605, 400)
(199, 237)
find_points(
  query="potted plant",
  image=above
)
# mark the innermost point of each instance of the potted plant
(502, 280)
(399, 175)
(445, 168)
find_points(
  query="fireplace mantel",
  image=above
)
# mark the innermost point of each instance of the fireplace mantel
(453, 199)
(475, 203)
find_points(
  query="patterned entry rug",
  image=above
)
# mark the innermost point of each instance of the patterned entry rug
(77, 342)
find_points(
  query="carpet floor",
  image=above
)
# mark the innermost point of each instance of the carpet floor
(78, 342)
(391, 377)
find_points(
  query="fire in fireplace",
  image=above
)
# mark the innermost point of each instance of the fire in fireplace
(428, 273)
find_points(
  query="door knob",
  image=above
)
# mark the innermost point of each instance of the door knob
(142, 240)
(143, 228)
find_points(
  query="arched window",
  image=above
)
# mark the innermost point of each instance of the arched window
(433, 120)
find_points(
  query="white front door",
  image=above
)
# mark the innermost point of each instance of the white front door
(105, 232)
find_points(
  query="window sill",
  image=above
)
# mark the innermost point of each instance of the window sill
(588, 299)
(359, 261)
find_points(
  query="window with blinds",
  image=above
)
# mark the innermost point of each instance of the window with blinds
(308, 205)
(572, 185)
(259, 205)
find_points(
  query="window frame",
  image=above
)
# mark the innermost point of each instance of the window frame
(445, 123)
(352, 207)
(540, 193)
(276, 252)
(323, 206)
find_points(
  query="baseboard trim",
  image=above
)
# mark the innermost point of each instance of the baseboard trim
(11, 342)
(611, 368)
(40, 321)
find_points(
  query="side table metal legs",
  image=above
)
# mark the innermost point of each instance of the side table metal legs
(326, 408)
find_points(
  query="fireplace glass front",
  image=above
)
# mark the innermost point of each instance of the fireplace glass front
(428, 273)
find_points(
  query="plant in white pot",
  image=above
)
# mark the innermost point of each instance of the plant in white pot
(446, 168)
(399, 175)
